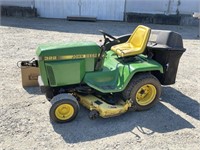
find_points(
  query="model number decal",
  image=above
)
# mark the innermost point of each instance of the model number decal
(79, 56)
(50, 58)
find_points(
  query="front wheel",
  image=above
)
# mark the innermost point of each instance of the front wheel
(144, 91)
(64, 108)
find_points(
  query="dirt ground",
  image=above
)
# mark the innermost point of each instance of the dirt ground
(174, 123)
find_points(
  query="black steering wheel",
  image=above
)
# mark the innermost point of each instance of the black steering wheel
(105, 35)
(107, 38)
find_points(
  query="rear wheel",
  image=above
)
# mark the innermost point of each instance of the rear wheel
(64, 108)
(144, 90)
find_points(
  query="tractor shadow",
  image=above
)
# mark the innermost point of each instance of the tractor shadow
(159, 119)
(182, 102)
(33, 90)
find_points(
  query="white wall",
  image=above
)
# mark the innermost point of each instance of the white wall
(102, 9)
(146, 6)
(22, 3)
(189, 6)
(163, 6)
(56, 8)
(105, 9)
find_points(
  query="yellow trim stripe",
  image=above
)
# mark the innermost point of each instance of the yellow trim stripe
(67, 57)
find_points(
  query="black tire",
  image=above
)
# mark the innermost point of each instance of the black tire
(63, 100)
(134, 88)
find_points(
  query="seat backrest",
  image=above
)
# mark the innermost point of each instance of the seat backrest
(139, 38)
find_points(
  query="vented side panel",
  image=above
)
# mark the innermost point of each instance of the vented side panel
(67, 72)
(51, 75)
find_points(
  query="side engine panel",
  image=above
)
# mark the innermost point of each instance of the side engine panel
(62, 73)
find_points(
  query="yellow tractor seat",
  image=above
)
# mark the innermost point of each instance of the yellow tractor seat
(136, 44)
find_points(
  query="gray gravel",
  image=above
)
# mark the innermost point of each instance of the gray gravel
(174, 123)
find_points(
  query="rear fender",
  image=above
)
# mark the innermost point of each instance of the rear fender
(124, 79)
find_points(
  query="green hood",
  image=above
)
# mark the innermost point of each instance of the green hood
(67, 49)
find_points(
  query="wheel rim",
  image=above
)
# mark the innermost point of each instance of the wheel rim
(64, 111)
(146, 94)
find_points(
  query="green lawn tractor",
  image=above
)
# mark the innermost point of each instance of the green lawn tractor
(123, 74)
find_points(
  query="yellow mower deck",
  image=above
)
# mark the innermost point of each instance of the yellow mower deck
(104, 109)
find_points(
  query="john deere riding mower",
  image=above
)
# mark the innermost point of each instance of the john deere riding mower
(123, 74)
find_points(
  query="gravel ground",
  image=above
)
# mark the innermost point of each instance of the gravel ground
(174, 123)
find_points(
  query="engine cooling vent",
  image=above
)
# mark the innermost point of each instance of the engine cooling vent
(51, 75)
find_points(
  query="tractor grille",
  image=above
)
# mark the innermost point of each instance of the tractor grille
(51, 75)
